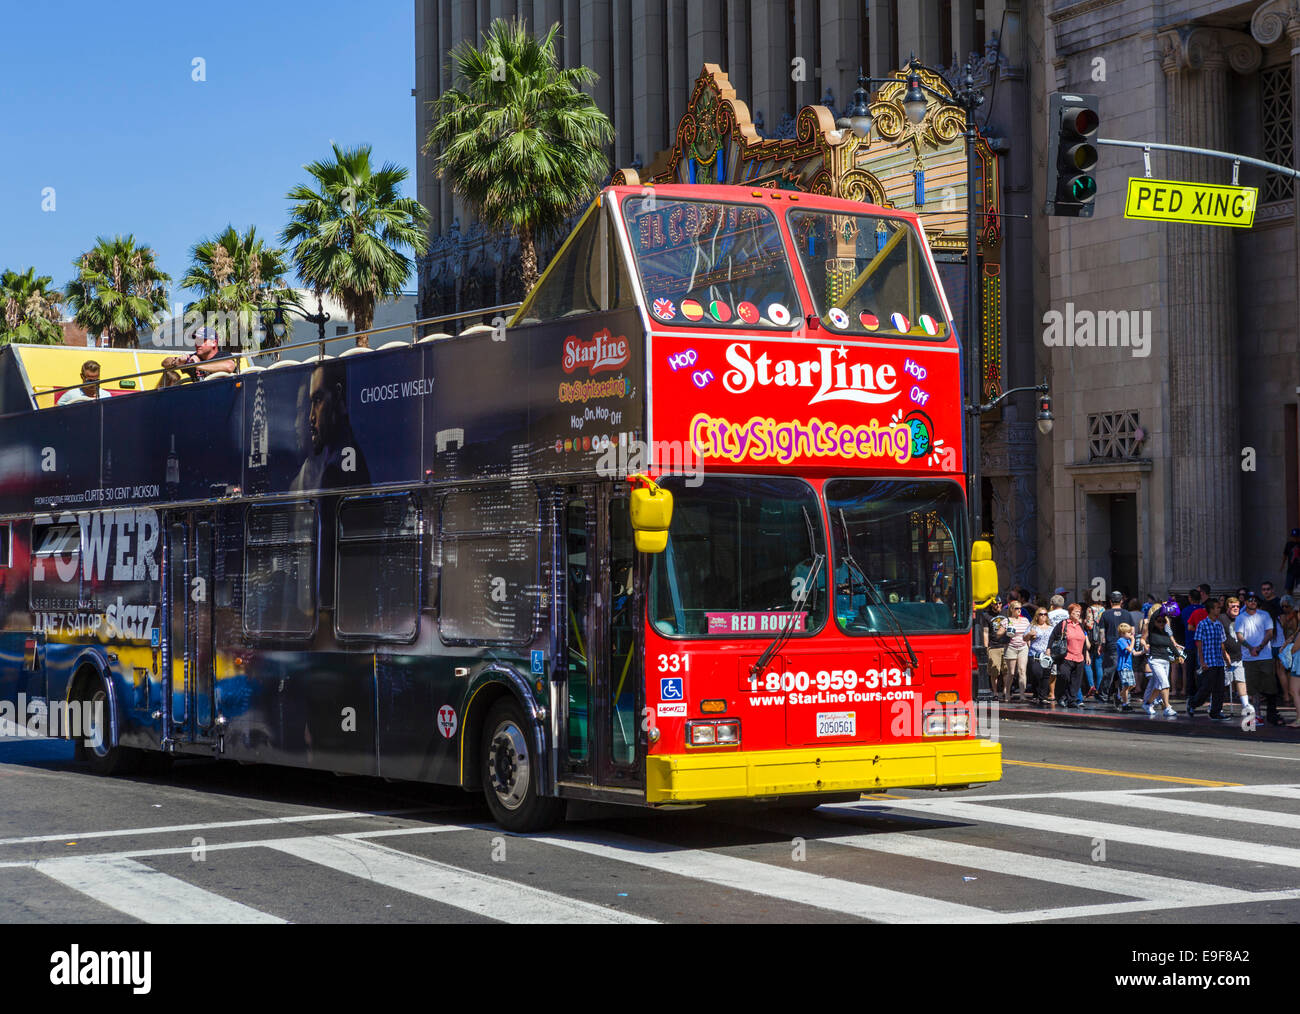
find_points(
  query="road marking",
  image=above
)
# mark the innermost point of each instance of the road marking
(504, 900)
(863, 901)
(1191, 808)
(1268, 756)
(1118, 774)
(259, 822)
(146, 894)
(1093, 877)
(1177, 841)
(1279, 791)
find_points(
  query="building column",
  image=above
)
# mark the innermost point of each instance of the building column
(649, 78)
(703, 39)
(771, 39)
(918, 30)
(884, 34)
(841, 30)
(1205, 519)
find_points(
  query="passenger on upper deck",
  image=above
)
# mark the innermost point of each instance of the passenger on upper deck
(89, 389)
(203, 360)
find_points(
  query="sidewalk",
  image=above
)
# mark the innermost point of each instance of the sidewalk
(1104, 716)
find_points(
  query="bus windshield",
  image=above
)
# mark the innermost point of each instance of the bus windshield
(711, 264)
(739, 556)
(909, 540)
(868, 274)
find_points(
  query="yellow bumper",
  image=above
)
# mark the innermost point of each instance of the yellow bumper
(698, 777)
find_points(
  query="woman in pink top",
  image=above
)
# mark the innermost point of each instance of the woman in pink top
(1069, 680)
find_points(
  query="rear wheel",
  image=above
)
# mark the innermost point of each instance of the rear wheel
(511, 770)
(105, 757)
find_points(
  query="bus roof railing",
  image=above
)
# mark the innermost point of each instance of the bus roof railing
(414, 327)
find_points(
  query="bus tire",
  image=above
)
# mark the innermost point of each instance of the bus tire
(511, 769)
(107, 758)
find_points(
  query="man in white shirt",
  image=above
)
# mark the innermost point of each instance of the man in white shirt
(1254, 629)
(1057, 613)
(89, 389)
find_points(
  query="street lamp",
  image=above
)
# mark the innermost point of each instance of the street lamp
(1044, 417)
(273, 319)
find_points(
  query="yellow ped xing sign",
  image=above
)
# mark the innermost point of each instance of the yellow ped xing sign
(1194, 203)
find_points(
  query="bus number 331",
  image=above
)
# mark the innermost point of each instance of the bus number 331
(834, 679)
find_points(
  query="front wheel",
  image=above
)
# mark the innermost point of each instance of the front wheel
(511, 770)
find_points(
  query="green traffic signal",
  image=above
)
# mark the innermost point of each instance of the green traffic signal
(1083, 188)
(1073, 122)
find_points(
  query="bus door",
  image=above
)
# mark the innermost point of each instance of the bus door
(189, 648)
(598, 724)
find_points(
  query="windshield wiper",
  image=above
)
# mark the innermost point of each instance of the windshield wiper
(796, 607)
(875, 592)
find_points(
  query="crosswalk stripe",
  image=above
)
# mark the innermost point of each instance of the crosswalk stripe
(147, 894)
(1094, 877)
(493, 897)
(1278, 791)
(1191, 808)
(1178, 841)
(848, 897)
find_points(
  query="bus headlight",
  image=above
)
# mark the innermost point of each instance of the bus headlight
(724, 732)
(959, 723)
(935, 724)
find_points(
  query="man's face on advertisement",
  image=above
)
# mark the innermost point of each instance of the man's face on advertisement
(323, 412)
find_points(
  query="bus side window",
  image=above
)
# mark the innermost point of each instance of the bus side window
(56, 564)
(6, 546)
(489, 553)
(280, 570)
(378, 571)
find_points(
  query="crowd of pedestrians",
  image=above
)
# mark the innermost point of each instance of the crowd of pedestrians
(1206, 649)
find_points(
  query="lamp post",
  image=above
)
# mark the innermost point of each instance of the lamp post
(273, 319)
(857, 118)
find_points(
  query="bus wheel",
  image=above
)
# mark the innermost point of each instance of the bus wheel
(106, 758)
(511, 770)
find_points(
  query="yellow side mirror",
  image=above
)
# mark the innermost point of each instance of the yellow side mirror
(983, 574)
(652, 513)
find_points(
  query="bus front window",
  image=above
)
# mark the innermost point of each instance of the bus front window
(899, 548)
(709, 264)
(739, 557)
(868, 274)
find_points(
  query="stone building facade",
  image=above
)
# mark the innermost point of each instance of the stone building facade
(1163, 469)
(1179, 466)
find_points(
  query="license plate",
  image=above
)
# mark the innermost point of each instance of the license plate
(837, 723)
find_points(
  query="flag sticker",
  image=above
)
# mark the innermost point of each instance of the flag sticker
(748, 313)
(691, 309)
(869, 320)
(664, 309)
(900, 322)
(929, 325)
(720, 311)
(838, 317)
(778, 314)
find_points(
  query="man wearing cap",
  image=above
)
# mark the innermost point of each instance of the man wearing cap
(1110, 623)
(204, 357)
(89, 389)
(1254, 629)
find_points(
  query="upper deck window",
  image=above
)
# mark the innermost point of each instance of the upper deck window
(868, 275)
(587, 275)
(707, 264)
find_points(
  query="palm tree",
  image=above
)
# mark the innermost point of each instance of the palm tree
(348, 236)
(118, 288)
(31, 309)
(236, 275)
(519, 139)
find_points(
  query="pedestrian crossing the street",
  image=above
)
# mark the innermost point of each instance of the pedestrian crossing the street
(927, 859)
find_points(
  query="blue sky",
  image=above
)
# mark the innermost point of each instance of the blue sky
(100, 104)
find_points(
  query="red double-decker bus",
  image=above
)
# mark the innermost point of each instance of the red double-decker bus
(690, 527)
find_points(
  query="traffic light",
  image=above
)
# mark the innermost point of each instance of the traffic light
(1072, 122)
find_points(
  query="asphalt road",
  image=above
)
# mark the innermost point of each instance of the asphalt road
(1086, 826)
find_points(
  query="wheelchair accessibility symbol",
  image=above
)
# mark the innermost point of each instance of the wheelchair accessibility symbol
(670, 689)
